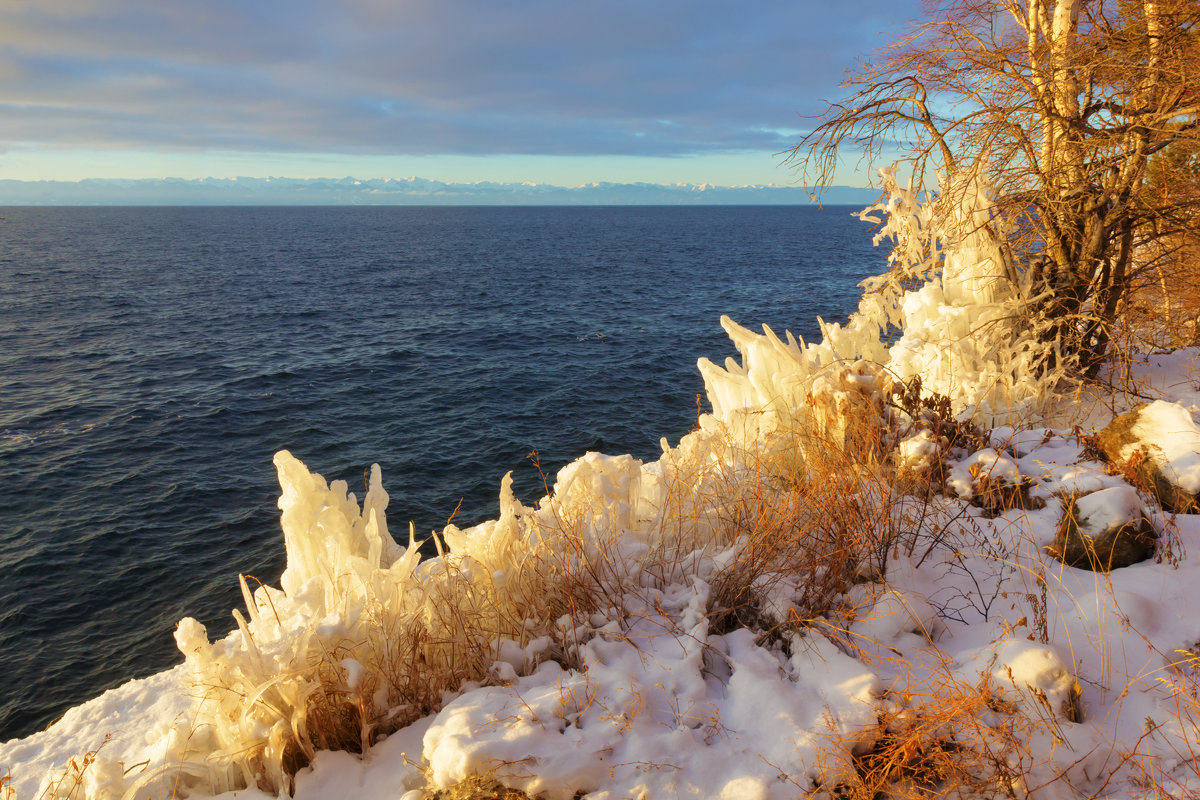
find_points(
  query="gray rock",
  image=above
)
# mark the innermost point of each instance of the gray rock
(1104, 530)
(1128, 442)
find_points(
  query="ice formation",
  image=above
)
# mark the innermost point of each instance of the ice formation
(966, 330)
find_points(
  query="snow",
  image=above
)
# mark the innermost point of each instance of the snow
(650, 717)
(1081, 683)
(1029, 673)
(1108, 508)
(1171, 427)
(989, 463)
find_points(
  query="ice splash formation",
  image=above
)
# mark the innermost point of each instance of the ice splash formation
(649, 628)
(965, 330)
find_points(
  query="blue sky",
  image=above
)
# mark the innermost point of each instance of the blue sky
(705, 91)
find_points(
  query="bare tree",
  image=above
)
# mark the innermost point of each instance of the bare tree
(1065, 103)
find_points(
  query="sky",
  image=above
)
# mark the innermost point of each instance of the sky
(661, 91)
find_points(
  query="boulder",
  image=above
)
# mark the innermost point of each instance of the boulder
(1104, 530)
(1157, 446)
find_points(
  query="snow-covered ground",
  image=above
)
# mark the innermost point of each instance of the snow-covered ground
(958, 652)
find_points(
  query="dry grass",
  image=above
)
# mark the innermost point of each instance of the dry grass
(1165, 760)
(806, 532)
(778, 532)
(77, 781)
(477, 788)
(946, 739)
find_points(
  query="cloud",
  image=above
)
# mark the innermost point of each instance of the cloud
(646, 77)
(407, 191)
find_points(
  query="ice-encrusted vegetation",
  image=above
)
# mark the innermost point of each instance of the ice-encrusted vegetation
(961, 316)
(836, 585)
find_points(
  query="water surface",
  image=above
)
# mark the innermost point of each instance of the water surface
(152, 360)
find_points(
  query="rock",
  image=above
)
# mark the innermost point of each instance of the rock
(1157, 445)
(1104, 530)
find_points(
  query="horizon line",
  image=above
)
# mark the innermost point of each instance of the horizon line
(419, 178)
(413, 190)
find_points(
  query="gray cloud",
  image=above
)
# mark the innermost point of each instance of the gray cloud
(653, 77)
(409, 191)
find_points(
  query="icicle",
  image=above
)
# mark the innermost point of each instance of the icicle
(248, 598)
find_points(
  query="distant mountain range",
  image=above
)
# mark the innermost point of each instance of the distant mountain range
(404, 191)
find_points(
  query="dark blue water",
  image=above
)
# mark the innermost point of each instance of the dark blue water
(153, 360)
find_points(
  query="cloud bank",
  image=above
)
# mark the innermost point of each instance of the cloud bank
(407, 191)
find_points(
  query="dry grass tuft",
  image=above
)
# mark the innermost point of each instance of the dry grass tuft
(996, 495)
(947, 739)
(478, 788)
(804, 533)
(81, 778)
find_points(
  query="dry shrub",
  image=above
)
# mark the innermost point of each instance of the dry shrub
(804, 533)
(944, 738)
(828, 498)
(477, 788)
(778, 528)
(935, 412)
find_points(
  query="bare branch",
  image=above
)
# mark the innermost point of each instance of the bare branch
(1070, 102)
